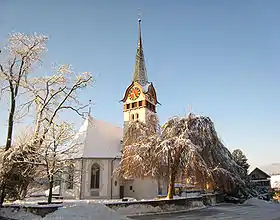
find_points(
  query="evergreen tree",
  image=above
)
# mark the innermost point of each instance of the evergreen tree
(240, 158)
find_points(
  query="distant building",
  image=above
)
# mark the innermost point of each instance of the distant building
(260, 178)
(275, 182)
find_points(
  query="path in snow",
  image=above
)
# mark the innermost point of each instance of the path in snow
(225, 211)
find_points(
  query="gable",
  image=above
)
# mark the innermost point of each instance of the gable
(146, 90)
(258, 174)
(133, 84)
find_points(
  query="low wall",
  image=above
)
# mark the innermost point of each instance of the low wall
(137, 207)
(37, 210)
(160, 206)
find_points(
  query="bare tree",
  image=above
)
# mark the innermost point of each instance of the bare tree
(50, 95)
(22, 52)
(56, 151)
(55, 94)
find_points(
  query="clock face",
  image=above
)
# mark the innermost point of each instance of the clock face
(134, 93)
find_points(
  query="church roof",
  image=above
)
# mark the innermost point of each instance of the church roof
(98, 139)
(140, 73)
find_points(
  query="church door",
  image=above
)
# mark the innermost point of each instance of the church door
(121, 192)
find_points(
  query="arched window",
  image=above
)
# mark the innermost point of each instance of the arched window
(137, 115)
(132, 117)
(95, 176)
(70, 177)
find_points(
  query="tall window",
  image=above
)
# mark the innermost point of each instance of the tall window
(95, 176)
(70, 175)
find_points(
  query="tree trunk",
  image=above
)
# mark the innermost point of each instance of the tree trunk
(10, 124)
(3, 194)
(171, 187)
(50, 189)
(8, 141)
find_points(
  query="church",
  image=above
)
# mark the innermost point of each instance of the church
(99, 146)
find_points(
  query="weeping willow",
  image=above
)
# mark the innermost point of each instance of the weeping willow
(183, 147)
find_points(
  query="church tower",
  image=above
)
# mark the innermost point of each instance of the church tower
(140, 97)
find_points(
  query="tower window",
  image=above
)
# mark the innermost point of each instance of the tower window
(127, 106)
(133, 105)
(132, 116)
(137, 115)
(140, 103)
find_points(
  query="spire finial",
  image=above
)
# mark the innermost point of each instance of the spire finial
(139, 15)
(89, 108)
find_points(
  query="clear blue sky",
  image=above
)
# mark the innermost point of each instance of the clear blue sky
(220, 57)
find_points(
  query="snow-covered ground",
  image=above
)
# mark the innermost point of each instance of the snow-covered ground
(89, 209)
(71, 211)
(252, 209)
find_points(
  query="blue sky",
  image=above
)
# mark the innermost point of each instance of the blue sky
(222, 58)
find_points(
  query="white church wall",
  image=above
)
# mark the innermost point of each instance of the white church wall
(115, 181)
(82, 190)
(164, 182)
(101, 192)
(145, 188)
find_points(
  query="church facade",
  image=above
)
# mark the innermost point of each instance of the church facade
(99, 151)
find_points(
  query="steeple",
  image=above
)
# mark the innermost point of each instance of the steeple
(140, 73)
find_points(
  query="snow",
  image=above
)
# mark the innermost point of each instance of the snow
(17, 214)
(71, 211)
(46, 192)
(85, 211)
(144, 209)
(145, 87)
(89, 209)
(275, 181)
(98, 139)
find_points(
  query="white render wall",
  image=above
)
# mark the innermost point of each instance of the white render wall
(104, 191)
(145, 188)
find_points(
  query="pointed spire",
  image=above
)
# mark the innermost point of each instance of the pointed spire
(140, 73)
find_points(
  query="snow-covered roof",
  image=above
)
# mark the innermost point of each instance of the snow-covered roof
(145, 87)
(275, 181)
(259, 171)
(98, 139)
